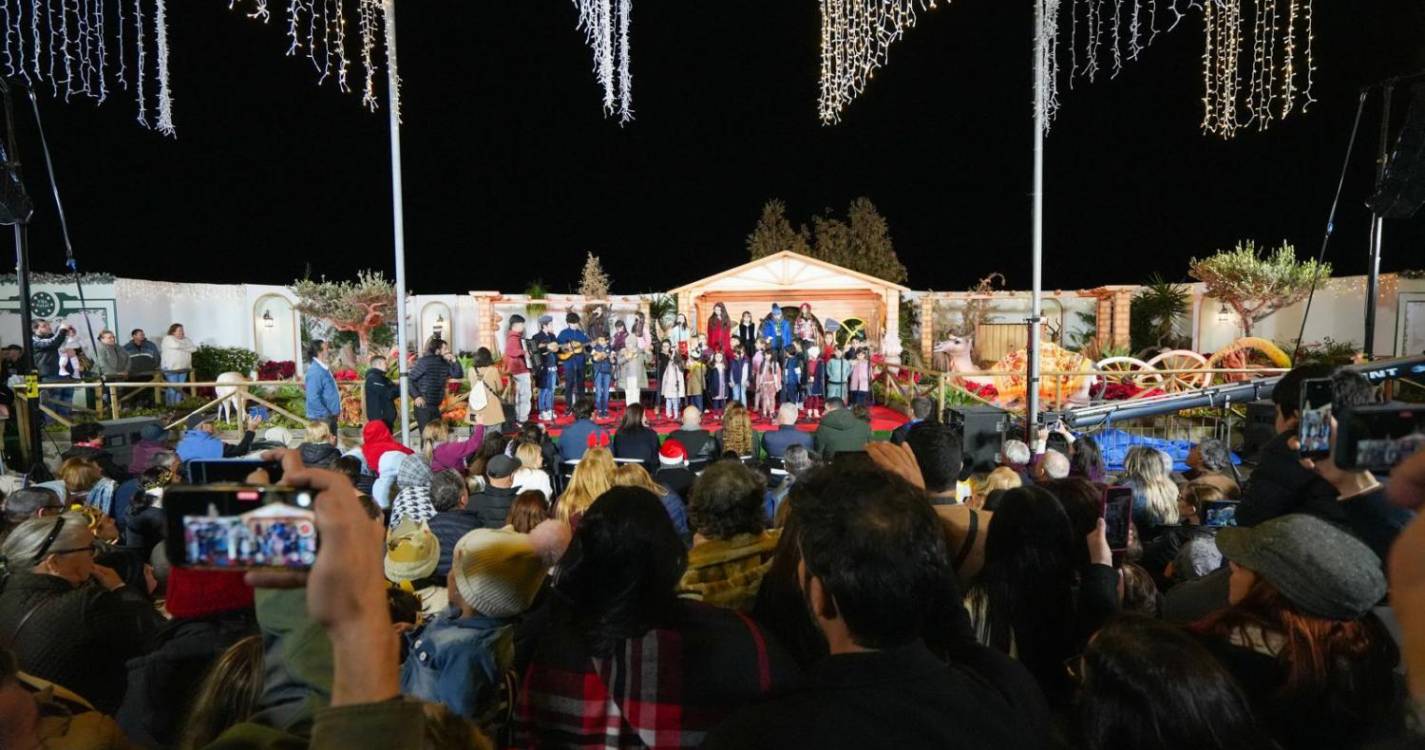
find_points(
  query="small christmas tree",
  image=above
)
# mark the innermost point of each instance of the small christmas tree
(594, 283)
(1257, 284)
(357, 306)
(774, 233)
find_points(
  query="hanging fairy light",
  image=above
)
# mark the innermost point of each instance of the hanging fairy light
(605, 24)
(81, 48)
(317, 29)
(856, 36)
(1281, 75)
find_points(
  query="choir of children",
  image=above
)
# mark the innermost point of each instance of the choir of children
(759, 366)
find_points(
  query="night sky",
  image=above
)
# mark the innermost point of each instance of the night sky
(512, 172)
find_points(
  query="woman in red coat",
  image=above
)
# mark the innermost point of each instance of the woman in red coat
(720, 330)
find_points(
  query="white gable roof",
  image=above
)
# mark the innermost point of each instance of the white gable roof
(787, 270)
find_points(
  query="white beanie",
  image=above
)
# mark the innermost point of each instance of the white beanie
(497, 572)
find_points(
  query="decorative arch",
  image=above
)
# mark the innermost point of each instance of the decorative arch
(437, 315)
(276, 335)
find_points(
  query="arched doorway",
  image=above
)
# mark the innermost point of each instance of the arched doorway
(275, 333)
(436, 320)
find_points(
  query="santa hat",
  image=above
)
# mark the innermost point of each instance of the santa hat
(199, 593)
(672, 453)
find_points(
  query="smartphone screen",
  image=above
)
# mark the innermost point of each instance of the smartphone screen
(235, 471)
(1376, 438)
(1314, 429)
(236, 527)
(1117, 514)
(1219, 513)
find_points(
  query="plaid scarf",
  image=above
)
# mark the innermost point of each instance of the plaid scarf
(665, 689)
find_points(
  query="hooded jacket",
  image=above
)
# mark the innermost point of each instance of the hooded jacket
(840, 430)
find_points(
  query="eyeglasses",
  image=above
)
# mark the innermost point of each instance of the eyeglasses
(49, 540)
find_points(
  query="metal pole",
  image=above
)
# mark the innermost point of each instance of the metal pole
(1377, 227)
(398, 217)
(30, 437)
(1031, 400)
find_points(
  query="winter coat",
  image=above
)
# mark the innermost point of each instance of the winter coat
(112, 360)
(720, 335)
(429, 377)
(177, 354)
(673, 385)
(747, 332)
(494, 412)
(838, 373)
(319, 454)
(47, 354)
(779, 331)
(381, 397)
(841, 430)
(76, 636)
(163, 681)
(632, 365)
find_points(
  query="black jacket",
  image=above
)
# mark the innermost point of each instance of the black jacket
(700, 444)
(319, 454)
(902, 698)
(429, 377)
(381, 396)
(448, 527)
(164, 682)
(492, 505)
(640, 443)
(77, 637)
(1279, 485)
(104, 458)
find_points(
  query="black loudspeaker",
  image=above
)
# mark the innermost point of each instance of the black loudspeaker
(1259, 429)
(1402, 189)
(981, 431)
(120, 435)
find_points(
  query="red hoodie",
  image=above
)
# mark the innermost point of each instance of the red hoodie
(376, 440)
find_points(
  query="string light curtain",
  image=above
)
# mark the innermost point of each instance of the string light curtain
(318, 30)
(1268, 41)
(606, 24)
(92, 49)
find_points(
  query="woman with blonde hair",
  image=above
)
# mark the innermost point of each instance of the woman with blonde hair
(531, 474)
(85, 483)
(1002, 478)
(434, 433)
(737, 433)
(593, 476)
(1155, 496)
(634, 475)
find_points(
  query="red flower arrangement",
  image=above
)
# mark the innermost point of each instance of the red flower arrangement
(983, 390)
(346, 376)
(277, 370)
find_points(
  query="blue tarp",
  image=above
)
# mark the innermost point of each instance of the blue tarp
(1114, 445)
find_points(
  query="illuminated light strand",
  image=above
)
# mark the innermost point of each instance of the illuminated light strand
(294, 11)
(625, 66)
(1117, 34)
(343, 64)
(394, 74)
(9, 58)
(1281, 42)
(103, 51)
(139, 72)
(366, 19)
(856, 39)
(123, 70)
(611, 52)
(1134, 32)
(165, 92)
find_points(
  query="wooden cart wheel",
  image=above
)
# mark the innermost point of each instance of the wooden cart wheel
(1181, 359)
(1123, 370)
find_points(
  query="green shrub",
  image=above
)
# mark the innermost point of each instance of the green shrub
(211, 361)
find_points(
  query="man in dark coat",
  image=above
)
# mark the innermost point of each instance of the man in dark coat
(381, 394)
(429, 377)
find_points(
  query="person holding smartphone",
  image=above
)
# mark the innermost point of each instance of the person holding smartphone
(1280, 484)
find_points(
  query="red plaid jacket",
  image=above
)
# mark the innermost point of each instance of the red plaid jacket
(666, 689)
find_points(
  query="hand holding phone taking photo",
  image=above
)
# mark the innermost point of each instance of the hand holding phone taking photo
(1313, 427)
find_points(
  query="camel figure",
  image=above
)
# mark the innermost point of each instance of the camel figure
(233, 392)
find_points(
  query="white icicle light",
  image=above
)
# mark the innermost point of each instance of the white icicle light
(165, 94)
(606, 30)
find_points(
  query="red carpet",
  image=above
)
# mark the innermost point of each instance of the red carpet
(883, 420)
